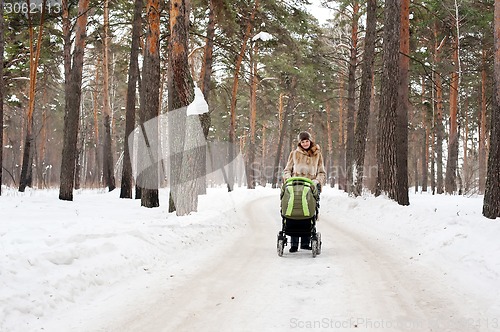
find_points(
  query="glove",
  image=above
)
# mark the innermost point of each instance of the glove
(318, 185)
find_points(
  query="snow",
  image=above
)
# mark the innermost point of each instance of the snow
(101, 263)
(199, 104)
(264, 36)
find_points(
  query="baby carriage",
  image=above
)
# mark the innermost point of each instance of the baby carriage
(299, 212)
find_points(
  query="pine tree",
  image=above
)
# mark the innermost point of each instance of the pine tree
(491, 204)
(73, 92)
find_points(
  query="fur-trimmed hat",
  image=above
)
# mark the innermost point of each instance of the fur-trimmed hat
(304, 135)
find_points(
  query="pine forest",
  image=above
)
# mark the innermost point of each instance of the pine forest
(135, 96)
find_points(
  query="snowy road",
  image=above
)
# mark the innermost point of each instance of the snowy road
(357, 283)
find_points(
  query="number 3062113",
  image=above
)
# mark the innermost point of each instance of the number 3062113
(33, 7)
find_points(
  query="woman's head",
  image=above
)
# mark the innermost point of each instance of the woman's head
(305, 140)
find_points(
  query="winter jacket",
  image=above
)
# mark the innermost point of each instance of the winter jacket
(306, 163)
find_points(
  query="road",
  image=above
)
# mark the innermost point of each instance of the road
(356, 284)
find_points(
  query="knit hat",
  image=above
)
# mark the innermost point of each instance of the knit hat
(304, 135)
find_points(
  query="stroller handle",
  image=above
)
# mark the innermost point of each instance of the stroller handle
(299, 178)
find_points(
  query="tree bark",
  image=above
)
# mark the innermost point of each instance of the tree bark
(183, 183)
(482, 124)
(151, 105)
(2, 46)
(133, 72)
(205, 86)
(329, 159)
(491, 203)
(97, 144)
(73, 91)
(108, 167)
(27, 169)
(452, 161)
(438, 126)
(365, 95)
(341, 167)
(426, 124)
(387, 126)
(403, 106)
(251, 180)
(351, 97)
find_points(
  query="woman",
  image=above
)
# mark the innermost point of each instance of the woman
(305, 161)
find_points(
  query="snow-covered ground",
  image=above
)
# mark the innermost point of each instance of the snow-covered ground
(102, 263)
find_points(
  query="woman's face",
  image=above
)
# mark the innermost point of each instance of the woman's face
(305, 143)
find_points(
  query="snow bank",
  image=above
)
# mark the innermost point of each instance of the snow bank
(56, 254)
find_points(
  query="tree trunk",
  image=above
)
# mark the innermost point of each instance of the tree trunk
(133, 72)
(27, 169)
(329, 159)
(439, 126)
(183, 184)
(73, 91)
(108, 167)
(2, 46)
(205, 87)
(425, 139)
(403, 106)
(284, 128)
(365, 96)
(452, 161)
(341, 168)
(482, 125)
(97, 144)
(232, 125)
(150, 106)
(351, 97)
(387, 125)
(251, 180)
(491, 203)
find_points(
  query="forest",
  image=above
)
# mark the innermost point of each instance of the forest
(401, 95)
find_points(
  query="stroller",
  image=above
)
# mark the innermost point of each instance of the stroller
(299, 212)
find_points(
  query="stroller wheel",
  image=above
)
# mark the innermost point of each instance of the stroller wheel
(314, 246)
(280, 244)
(318, 236)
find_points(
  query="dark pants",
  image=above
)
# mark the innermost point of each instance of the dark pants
(304, 241)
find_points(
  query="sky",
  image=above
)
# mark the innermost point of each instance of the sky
(321, 13)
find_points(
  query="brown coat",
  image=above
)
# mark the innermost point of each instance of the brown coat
(306, 163)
